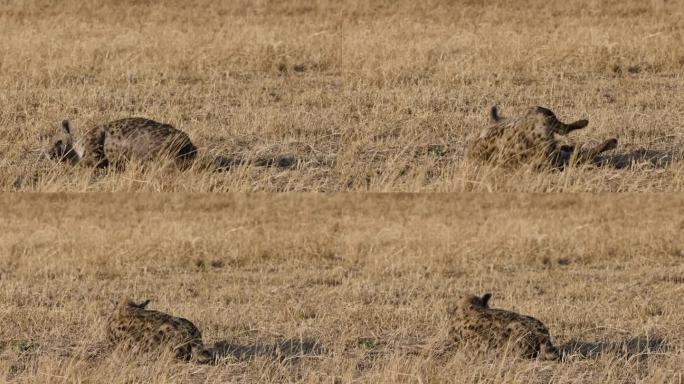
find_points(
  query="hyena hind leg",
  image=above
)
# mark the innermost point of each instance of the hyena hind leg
(581, 153)
(588, 152)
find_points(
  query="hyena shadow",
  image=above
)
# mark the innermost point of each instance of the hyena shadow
(282, 350)
(225, 163)
(638, 157)
(639, 347)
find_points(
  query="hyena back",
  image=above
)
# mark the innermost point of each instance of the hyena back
(476, 325)
(144, 330)
(119, 141)
(530, 138)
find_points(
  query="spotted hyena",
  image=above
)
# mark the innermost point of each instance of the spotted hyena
(119, 141)
(476, 325)
(530, 138)
(140, 329)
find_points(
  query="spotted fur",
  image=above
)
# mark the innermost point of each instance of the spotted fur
(475, 325)
(119, 141)
(133, 326)
(531, 138)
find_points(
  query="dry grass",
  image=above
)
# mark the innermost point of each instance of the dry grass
(380, 95)
(349, 287)
(367, 96)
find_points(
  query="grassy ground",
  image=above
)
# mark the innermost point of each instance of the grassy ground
(365, 96)
(380, 95)
(341, 288)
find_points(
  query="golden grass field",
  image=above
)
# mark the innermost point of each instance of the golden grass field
(343, 287)
(367, 95)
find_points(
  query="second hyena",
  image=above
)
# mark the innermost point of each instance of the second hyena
(477, 326)
(531, 138)
(144, 330)
(119, 141)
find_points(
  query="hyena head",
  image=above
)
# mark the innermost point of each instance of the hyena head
(201, 354)
(547, 351)
(62, 144)
(549, 121)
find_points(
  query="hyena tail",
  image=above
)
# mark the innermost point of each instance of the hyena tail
(126, 302)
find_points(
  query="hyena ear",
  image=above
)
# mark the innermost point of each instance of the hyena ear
(124, 302)
(67, 126)
(469, 300)
(485, 299)
(127, 302)
(142, 305)
(494, 115)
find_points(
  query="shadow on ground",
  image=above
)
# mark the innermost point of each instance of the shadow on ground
(639, 157)
(638, 346)
(285, 349)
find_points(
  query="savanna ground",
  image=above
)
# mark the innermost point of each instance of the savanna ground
(342, 288)
(367, 95)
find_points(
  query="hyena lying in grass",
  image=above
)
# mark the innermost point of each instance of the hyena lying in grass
(135, 138)
(530, 138)
(478, 327)
(119, 141)
(143, 330)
